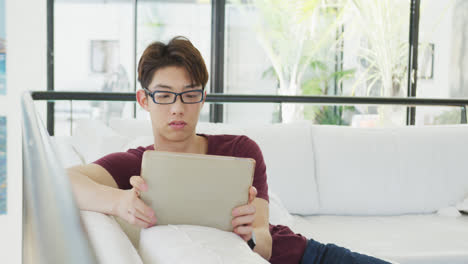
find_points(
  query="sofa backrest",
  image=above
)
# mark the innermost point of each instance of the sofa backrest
(390, 171)
(318, 169)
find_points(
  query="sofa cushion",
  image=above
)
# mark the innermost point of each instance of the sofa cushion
(66, 151)
(408, 239)
(356, 170)
(390, 171)
(109, 241)
(289, 159)
(433, 166)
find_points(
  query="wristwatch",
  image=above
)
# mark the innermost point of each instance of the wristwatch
(252, 242)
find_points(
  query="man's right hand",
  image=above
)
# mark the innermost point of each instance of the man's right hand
(132, 209)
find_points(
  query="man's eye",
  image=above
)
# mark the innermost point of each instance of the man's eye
(163, 95)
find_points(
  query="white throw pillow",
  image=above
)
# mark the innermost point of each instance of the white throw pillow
(289, 158)
(110, 243)
(142, 141)
(279, 215)
(194, 244)
(131, 128)
(219, 129)
(463, 206)
(93, 140)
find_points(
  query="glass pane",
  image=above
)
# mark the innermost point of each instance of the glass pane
(437, 115)
(163, 20)
(348, 115)
(251, 113)
(375, 54)
(442, 57)
(68, 112)
(355, 115)
(96, 53)
(281, 47)
(247, 67)
(357, 48)
(443, 49)
(93, 51)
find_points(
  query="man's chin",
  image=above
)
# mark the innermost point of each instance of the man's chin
(178, 136)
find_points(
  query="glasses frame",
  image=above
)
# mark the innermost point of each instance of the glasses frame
(151, 94)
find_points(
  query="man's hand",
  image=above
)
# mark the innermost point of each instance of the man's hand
(244, 216)
(131, 208)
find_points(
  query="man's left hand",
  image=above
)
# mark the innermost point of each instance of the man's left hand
(244, 216)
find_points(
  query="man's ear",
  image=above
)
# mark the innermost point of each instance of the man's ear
(142, 99)
(204, 98)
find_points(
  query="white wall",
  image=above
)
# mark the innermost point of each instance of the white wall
(26, 22)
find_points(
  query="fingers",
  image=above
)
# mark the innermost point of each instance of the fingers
(244, 210)
(134, 220)
(252, 194)
(243, 220)
(149, 221)
(146, 211)
(138, 213)
(138, 183)
(244, 231)
(244, 217)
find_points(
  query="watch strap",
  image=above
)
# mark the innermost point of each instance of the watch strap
(252, 241)
(251, 244)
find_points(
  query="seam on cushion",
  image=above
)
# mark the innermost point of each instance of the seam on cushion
(317, 189)
(82, 159)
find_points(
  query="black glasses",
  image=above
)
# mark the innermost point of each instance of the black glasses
(166, 97)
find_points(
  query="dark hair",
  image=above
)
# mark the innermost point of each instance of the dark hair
(178, 52)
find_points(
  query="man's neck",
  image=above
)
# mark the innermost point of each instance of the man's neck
(194, 144)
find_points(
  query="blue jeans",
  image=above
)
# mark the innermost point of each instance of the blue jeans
(318, 253)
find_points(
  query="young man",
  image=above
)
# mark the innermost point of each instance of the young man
(173, 78)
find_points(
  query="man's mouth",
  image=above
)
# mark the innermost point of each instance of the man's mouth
(177, 124)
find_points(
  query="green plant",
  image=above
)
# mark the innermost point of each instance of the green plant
(293, 34)
(448, 117)
(328, 115)
(383, 31)
(319, 84)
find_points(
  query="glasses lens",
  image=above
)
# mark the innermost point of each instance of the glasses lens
(164, 97)
(192, 97)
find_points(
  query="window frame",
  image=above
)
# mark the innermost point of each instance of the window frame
(218, 9)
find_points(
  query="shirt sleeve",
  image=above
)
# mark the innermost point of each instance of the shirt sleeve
(247, 148)
(121, 166)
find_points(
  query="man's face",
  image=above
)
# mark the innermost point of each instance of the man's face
(177, 121)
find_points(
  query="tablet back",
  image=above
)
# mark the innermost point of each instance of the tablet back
(195, 189)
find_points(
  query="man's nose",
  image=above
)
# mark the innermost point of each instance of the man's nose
(177, 107)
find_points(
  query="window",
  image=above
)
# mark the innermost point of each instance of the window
(331, 47)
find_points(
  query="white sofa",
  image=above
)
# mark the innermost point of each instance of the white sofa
(394, 193)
